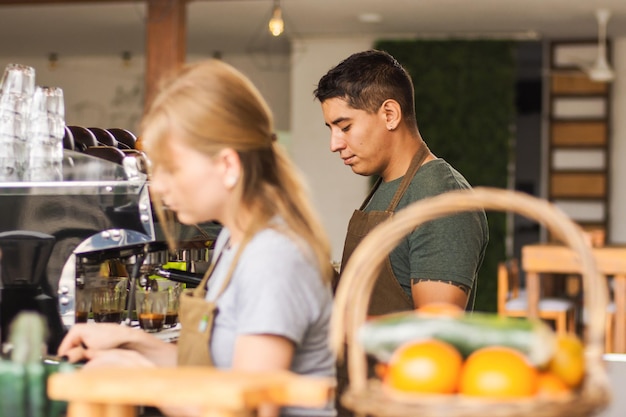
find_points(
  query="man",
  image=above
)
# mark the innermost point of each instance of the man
(368, 104)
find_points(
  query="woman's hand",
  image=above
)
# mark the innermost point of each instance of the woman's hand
(83, 340)
(93, 336)
(117, 358)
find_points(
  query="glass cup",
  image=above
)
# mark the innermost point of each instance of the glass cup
(83, 305)
(151, 309)
(108, 304)
(18, 79)
(173, 300)
(17, 87)
(46, 131)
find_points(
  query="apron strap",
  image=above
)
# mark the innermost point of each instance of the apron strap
(370, 194)
(416, 162)
(200, 290)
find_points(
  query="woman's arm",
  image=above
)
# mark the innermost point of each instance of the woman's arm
(83, 340)
(263, 353)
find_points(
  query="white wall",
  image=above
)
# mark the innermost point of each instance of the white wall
(103, 91)
(617, 214)
(336, 190)
(99, 91)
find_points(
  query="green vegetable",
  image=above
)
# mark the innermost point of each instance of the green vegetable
(27, 337)
(381, 336)
(35, 394)
(23, 378)
(12, 389)
(56, 408)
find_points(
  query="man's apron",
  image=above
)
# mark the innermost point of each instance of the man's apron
(387, 296)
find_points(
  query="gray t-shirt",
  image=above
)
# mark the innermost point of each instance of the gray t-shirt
(275, 289)
(448, 249)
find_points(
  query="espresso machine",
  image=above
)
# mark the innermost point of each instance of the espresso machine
(42, 224)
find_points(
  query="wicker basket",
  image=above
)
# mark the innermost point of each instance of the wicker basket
(357, 282)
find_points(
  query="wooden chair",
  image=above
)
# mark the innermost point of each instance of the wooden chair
(609, 331)
(512, 300)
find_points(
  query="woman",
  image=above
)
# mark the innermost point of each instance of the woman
(214, 157)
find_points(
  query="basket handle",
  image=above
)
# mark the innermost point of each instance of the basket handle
(358, 279)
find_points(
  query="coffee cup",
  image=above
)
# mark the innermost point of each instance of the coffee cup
(151, 309)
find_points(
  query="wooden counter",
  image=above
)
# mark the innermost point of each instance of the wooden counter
(117, 392)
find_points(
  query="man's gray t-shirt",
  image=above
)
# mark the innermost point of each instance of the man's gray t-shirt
(275, 289)
(448, 249)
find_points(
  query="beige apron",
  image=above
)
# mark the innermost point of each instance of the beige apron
(197, 317)
(387, 295)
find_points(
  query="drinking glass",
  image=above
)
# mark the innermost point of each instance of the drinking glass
(46, 131)
(151, 309)
(83, 305)
(108, 304)
(18, 79)
(173, 299)
(17, 86)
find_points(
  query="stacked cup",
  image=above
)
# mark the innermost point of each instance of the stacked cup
(32, 123)
(16, 91)
(46, 130)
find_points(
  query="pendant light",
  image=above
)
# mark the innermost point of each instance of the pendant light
(276, 24)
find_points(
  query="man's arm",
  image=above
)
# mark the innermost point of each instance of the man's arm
(424, 292)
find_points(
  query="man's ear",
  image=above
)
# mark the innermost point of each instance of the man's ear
(392, 112)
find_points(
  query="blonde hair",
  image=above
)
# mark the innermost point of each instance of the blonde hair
(216, 107)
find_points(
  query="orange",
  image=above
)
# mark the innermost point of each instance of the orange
(440, 308)
(426, 366)
(380, 369)
(568, 361)
(498, 372)
(550, 385)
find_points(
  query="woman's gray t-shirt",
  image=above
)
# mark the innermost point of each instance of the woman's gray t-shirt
(275, 289)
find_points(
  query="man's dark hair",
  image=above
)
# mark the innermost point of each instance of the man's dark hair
(366, 79)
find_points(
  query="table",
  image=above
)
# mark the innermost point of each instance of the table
(540, 259)
(220, 393)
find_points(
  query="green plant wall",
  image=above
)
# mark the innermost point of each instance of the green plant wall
(464, 97)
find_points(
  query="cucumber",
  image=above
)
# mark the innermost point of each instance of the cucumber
(381, 336)
(12, 389)
(27, 336)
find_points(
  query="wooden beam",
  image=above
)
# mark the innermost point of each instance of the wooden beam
(165, 42)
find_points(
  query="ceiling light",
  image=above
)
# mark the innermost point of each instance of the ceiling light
(276, 24)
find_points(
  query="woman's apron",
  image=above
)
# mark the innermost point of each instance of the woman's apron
(197, 317)
(387, 296)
